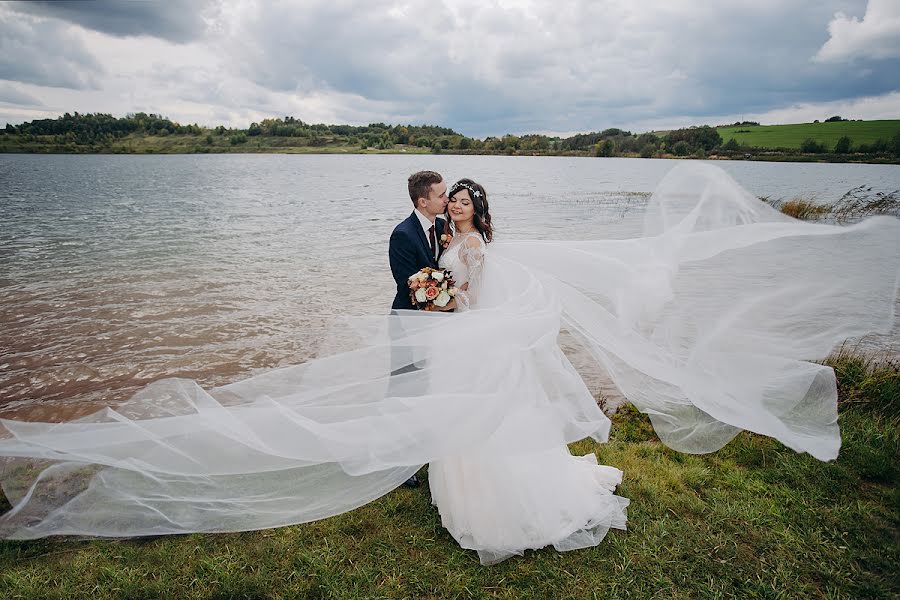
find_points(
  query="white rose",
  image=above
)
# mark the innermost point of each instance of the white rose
(442, 299)
(437, 276)
(420, 295)
(452, 291)
(422, 276)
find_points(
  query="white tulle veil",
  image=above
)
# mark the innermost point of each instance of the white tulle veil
(708, 323)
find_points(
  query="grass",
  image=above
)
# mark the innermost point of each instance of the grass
(801, 208)
(791, 136)
(754, 520)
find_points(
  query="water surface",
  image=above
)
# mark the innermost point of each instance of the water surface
(118, 270)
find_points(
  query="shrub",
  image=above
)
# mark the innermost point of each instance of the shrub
(681, 148)
(606, 148)
(811, 146)
(843, 145)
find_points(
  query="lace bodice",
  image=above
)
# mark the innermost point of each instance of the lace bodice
(464, 257)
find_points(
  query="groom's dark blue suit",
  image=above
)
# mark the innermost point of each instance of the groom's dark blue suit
(410, 252)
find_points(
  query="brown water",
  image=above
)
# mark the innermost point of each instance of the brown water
(119, 270)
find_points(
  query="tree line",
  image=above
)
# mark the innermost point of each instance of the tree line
(105, 133)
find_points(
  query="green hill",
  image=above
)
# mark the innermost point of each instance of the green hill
(791, 136)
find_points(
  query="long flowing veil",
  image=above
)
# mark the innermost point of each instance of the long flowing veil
(708, 323)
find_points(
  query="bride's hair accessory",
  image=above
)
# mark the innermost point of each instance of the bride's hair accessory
(460, 185)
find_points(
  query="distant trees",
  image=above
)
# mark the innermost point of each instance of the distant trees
(606, 148)
(105, 133)
(101, 128)
(843, 145)
(695, 138)
(681, 148)
(811, 146)
(834, 119)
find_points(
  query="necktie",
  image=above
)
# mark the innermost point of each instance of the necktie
(432, 241)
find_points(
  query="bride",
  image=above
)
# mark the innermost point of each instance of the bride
(493, 498)
(707, 323)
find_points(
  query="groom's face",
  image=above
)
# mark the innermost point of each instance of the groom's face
(436, 201)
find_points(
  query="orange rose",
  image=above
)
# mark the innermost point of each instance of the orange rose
(431, 293)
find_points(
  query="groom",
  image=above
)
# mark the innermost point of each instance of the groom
(415, 243)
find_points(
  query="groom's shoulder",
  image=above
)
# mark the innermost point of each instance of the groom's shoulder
(404, 225)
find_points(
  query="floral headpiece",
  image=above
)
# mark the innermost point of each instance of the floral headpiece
(459, 185)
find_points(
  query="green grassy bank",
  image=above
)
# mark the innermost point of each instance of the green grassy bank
(754, 520)
(828, 134)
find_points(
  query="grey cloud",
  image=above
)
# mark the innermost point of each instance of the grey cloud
(572, 66)
(44, 53)
(10, 95)
(174, 20)
(480, 66)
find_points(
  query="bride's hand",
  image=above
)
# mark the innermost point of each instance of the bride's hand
(450, 306)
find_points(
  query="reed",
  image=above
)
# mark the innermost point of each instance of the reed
(856, 204)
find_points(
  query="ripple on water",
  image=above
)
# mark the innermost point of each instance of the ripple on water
(116, 270)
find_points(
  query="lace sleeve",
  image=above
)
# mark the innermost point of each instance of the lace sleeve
(471, 253)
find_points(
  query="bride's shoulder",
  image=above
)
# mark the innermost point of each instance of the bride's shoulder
(472, 239)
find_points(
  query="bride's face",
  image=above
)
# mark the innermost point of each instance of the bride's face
(460, 207)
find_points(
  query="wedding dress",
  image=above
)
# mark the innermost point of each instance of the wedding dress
(500, 500)
(707, 323)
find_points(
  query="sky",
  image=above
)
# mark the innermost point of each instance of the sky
(481, 67)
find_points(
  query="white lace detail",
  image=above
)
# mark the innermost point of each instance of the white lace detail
(465, 259)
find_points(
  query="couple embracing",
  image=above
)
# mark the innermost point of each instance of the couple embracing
(520, 488)
(426, 238)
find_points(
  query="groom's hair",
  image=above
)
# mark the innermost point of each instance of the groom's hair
(420, 184)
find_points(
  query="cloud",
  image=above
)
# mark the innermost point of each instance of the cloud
(174, 20)
(482, 67)
(45, 53)
(876, 37)
(496, 67)
(9, 94)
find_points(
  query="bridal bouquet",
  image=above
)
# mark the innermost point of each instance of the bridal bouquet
(430, 289)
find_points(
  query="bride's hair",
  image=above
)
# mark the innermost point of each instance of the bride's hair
(482, 218)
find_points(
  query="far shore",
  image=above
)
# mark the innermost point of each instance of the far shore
(837, 140)
(761, 156)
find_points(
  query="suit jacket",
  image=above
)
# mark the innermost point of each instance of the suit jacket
(409, 252)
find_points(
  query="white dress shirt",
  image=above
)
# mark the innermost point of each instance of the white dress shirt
(426, 225)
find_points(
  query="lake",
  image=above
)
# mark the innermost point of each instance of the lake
(118, 270)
